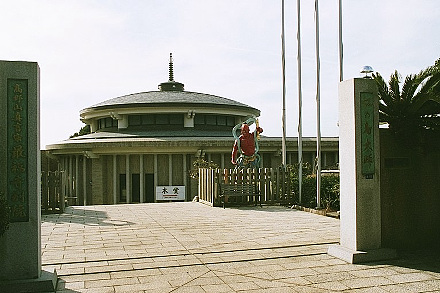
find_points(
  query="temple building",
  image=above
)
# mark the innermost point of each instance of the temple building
(141, 146)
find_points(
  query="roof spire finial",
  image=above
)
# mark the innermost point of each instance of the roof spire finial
(171, 68)
(171, 85)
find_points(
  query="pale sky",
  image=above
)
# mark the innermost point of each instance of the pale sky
(91, 51)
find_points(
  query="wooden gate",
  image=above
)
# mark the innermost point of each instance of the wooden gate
(272, 185)
(52, 199)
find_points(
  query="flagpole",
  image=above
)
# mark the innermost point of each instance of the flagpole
(300, 155)
(318, 111)
(283, 60)
(341, 49)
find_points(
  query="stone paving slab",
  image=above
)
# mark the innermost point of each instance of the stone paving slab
(190, 247)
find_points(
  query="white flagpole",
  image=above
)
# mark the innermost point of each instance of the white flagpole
(283, 49)
(318, 111)
(341, 49)
(300, 155)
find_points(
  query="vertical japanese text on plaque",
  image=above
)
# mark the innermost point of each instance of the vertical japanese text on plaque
(17, 149)
(367, 133)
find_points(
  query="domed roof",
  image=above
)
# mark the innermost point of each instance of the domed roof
(170, 94)
(169, 98)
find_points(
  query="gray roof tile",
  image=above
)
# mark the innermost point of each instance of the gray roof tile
(169, 97)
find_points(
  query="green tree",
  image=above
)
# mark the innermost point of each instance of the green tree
(200, 163)
(83, 131)
(412, 110)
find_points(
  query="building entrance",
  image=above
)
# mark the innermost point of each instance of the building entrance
(122, 188)
(149, 187)
(135, 188)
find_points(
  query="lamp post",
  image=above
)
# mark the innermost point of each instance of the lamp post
(367, 71)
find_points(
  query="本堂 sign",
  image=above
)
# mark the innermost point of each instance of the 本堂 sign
(170, 193)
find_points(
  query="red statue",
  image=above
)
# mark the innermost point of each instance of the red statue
(247, 145)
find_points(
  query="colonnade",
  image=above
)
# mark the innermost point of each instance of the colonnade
(78, 171)
(77, 177)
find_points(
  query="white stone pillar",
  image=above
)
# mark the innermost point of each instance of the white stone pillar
(127, 179)
(115, 180)
(155, 174)
(170, 169)
(76, 175)
(63, 177)
(85, 180)
(70, 177)
(184, 173)
(141, 178)
(359, 149)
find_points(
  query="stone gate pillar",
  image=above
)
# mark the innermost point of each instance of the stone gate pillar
(359, 159)
(20, 180)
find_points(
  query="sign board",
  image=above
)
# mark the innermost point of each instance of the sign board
(170, 193)
(367, 132)
(17, 148)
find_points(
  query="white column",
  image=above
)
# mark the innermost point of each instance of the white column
(84, 180)
(184, 170)
(115, 178)
(170, 170)
(70, 180)
(64, 177)
(155, 174)
(141, 177)
(76, 175)
(127, 178)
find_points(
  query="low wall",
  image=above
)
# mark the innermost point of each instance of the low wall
(410, 195)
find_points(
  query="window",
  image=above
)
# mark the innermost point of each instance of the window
(221, 120)
(108, 122)
(134, 120)
(162, 119)
(148, 119)
(176, 119)
(101, 123)
(211, 120)
(199, 119)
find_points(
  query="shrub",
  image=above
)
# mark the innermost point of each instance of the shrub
(200, 163)
(329, 188)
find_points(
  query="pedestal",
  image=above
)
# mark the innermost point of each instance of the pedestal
(359, 162)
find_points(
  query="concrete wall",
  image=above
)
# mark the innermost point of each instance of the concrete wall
(410, 195)
(162, 170)
(97, 182)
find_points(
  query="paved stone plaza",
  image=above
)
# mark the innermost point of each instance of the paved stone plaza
(191, 247)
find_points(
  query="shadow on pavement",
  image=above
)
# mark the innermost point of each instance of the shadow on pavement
(61, 287)
(422, 260)
(86, 216)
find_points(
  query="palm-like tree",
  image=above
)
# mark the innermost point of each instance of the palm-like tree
(413, 110)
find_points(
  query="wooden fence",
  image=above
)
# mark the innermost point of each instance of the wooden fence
(52, 199)
(273, 185)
